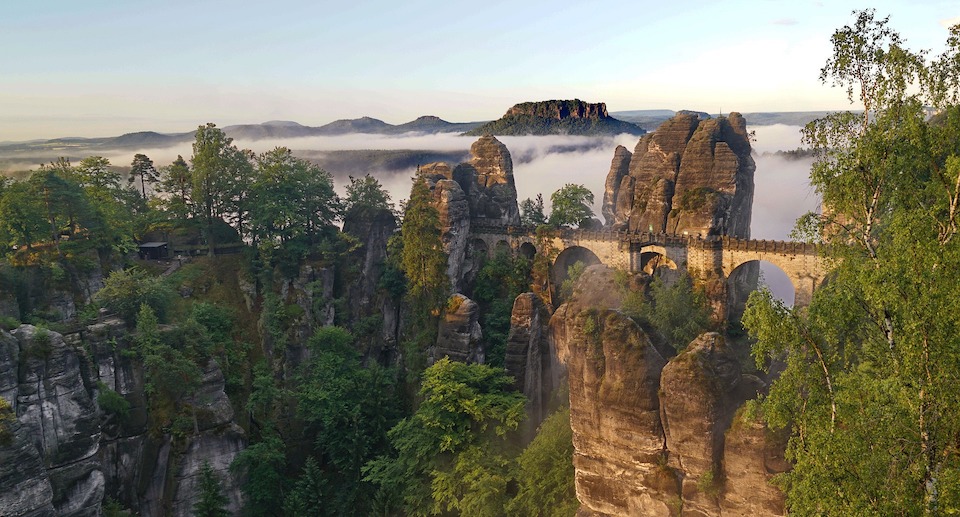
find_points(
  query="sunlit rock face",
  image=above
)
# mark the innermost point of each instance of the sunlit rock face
(690, 175)
(654, 436)
(487, 180)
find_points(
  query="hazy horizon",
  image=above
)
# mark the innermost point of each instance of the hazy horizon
(103, 68)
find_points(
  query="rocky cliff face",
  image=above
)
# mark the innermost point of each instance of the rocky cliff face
(459, 333)
(529, 359)
(479, 192)
(67, 454)
(572, 117)
(691, 175)
(560, 109)
(658, 437)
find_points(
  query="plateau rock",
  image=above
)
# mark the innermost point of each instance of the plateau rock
(556, 117)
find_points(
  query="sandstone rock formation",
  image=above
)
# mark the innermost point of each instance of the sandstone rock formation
(653, 437)
(529, 359)
(459, 334)
(487, 180)
(619, 169)
(691, 175)
(554, 117)
(66, 453)
(479, 192)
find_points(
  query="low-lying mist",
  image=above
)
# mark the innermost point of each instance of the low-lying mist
(542, 164)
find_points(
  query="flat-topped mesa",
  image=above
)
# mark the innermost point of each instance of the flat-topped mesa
(557, 117)
(560, 110)
(692, 175)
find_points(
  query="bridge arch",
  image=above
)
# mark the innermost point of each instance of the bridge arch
(651, 260)
(569, 257)
(751, 275)
(478, 248)
(527, 250)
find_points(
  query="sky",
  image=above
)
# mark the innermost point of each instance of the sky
(107, 67)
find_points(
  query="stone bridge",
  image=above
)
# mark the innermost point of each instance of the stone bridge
(716, 260)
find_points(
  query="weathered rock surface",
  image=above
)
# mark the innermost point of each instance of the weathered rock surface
(529, 360)
(479, 192)
(57, 417)
(619, 169)
(614, 374)
(691, 175)
(653, 437)
(459, 334)
(487, 180)
(66, 453)
(570, 117)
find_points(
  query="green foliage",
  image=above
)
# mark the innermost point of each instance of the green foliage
(177, 181)
(112, 402)
(113, 508)
(545, 472)
(307, 498)
(6, 420)
(678, 310)
(570, 206)
(424, 261)
(498, 283)
(348, 410)
(871, 366)
(366, 196)
(142, 168)
(466, 408)
(211, 501)
(124, 291)
(263, 463)
(531, 212)
(295, 202)
(574, 272)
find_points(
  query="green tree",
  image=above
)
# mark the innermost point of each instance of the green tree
(126, 290)
(449, 454)
(142, 168)
(499, 282)
(263, 464)
(366, 195)
(211, 501)
(307, 496)
(177, 181)
(424, 261)
(545, 472)
(348, 410)
(22, 217)
(214, 160)
(871, 366)
(531, 212)
(570, 206)
(677, 310)
(295, 200)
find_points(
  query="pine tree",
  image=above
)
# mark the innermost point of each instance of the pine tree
(211, 501)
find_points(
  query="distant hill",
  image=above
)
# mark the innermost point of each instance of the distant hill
(557, 117)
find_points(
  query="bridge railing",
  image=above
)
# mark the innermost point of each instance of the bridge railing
(661, 239)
